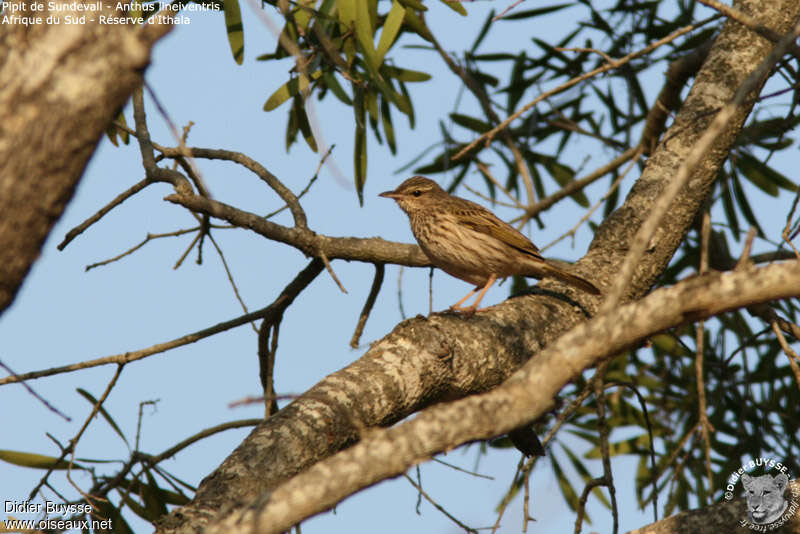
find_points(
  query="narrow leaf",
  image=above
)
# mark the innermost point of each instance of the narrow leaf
(391, 27)
(456, 6)
(36, 461)
(88, 396)
(406, 75)
(330, 81)
(288, 90)
(388, 128)
(365, 33)
(233, 25)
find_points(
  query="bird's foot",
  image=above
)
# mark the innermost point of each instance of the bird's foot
(464, 310)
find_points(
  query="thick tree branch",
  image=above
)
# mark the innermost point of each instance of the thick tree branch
(720, 517)
(60, 87)
(372, 250)
(528, 394)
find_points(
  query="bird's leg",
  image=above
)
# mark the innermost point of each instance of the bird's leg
(471, 309)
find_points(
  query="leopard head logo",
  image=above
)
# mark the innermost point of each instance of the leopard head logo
(765, 502)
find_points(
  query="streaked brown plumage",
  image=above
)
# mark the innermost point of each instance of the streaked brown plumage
(468, 241)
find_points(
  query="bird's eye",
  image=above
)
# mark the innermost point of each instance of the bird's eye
(417, 193)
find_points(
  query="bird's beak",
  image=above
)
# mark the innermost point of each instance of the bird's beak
(389, 194)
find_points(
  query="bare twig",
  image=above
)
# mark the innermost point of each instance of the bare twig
(438, 506)
(331, 271)
(702, 410)
(287, 296)
(149, 237)
(119, 199)
(377, 282)
(36, 395)
(461, 469)
(230, 276)
(175, 449)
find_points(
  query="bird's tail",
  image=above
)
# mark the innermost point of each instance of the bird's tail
(571, 279)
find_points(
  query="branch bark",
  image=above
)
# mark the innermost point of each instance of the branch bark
(60, 87)
(425, 361)
(525, 396)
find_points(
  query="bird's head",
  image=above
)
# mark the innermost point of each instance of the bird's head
(416, 194)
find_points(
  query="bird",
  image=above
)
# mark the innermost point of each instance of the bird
(469, 242)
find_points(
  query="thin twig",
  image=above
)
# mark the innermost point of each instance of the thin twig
(791, 354)
(149, 237)
(195, 173)
(230, 277)
(377, 282)
(36, 395)
(287, 296)
(575, 186)
(70, 449)
(486, 105)
(578, 79)
(119, 199)
(175, 449)
(331, 271)
(484, 169)
(438, 506)
(457, 468)
(702, 410)
(588, 214)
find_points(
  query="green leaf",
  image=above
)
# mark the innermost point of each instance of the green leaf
(103, 509)
(330, 81)
(483, 32)
(360, 149)
(414, 4)
(762, 175)
(536, 12)
(387, 89)
(365, 33)
(456, 6)
(346, 9)
(302, 122)
(405, 75)
(391, 27)
(569, 493)
(153, 498)
(36, 461)
(112, 131)
(134, 505)
(288, 90)
(371, 98)
(102, 411)
(743, 203)
(233, 25)
(727, 203)
(388, 128)
(470, 123)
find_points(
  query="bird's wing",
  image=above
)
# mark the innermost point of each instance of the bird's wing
(486, 222)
